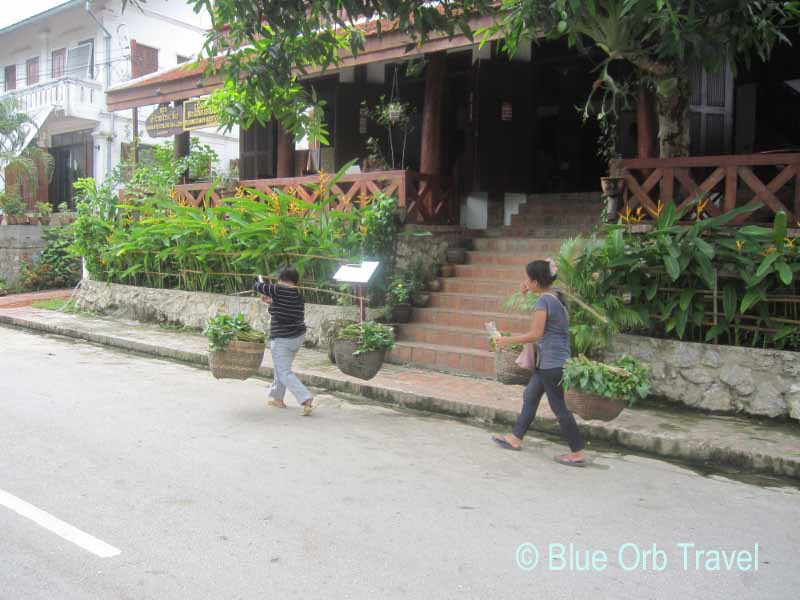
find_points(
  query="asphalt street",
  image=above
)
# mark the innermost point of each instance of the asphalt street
(124, 477)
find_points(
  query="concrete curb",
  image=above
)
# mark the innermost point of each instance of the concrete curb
(665, 445)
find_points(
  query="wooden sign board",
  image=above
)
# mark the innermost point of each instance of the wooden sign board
(197, 114)
(165, 121)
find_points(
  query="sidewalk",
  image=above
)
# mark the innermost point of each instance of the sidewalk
(751, 445)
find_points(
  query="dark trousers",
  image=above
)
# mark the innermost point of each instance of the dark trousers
(548, 381)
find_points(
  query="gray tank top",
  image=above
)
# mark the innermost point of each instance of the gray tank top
(554, 344)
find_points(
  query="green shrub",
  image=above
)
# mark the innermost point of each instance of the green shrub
(625, 379)
(223, 329)
(371, 336)
(58, 266)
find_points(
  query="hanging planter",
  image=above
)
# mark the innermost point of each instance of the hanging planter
(506, 369)
(395, 111)
(236, 350)
(594, 390)
(360, 349)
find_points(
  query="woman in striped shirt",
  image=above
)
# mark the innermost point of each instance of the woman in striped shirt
(287, 334)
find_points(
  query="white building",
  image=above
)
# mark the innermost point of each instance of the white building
(58, 64)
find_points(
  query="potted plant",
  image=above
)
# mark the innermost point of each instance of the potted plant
(456, 255)
(506, 369)
(14, 210)
(236, 350)
(596, 390)
(398, 301)
(43, 212)
(360, 349)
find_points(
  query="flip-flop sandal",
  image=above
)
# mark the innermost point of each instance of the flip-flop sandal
(570, 463)
(504, 444)
(275, 404)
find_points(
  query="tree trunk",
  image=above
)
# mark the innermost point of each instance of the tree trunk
(673, 96)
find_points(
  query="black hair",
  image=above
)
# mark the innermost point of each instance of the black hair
(539, 271)
(289, 274)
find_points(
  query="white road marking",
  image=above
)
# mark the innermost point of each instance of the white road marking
(57, 526)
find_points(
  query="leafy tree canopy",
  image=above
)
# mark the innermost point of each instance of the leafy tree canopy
(271, 44)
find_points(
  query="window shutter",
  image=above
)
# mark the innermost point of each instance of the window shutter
(32, 71)
(11, 78)
(144, 59)
(59, 61)
(711, 111)
(79, 61)
(257, 151)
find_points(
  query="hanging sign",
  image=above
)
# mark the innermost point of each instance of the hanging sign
(165, 121)
(197, 114)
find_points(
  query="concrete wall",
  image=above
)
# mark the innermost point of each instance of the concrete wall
(193, 309)
(719, 378)
(17, 244)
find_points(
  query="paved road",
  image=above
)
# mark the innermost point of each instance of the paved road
(206, 493)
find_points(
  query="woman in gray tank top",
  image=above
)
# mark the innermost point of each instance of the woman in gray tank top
(550, 330)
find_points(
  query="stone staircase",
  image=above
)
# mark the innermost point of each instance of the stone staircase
(450, 334)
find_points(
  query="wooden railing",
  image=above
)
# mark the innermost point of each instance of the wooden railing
(420, 198)
(724, 181)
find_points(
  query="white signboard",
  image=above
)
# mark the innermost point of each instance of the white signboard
(356, 273)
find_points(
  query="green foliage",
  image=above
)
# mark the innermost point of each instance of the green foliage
(44, 209)
(157, 242)
(371, 336)
(223, 329)
(15, 155)
(399, 293)
(706, 282)
(11, 205)
(379, 227)
(58, 266)
(625, 379)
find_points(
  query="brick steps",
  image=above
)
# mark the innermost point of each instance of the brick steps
(474, 320)
(468, 302)
(450, 334)
(445, 336)
(482, 287)
(444, 358)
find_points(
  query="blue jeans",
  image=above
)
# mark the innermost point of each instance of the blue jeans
(283, 352)
(548, 381)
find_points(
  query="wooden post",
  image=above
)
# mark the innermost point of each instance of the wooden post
(647, 133)
(183, 143)
(431, 157)
(285, 166)
(135, 136)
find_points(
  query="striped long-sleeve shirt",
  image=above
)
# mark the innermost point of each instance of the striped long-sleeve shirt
(288, 309)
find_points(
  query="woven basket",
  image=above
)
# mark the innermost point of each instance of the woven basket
(239, 360)
(364, 366)
(593, 406)
(506, 369)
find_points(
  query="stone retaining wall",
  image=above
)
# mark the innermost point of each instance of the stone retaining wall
(193, 309)
(719, 378)
(18, 243)
(428, 242)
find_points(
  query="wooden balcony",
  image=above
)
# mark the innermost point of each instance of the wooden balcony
(773, 179)
(426, 199)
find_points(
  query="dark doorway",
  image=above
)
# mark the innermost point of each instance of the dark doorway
(72, 154)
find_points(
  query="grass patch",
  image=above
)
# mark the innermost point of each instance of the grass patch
(56, 304)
